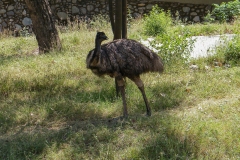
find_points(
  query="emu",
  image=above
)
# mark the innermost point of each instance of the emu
(123, 58)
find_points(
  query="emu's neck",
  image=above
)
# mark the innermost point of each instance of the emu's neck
(96, 56)
(97, 49)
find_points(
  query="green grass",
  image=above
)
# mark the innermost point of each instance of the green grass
(52, 107)
(212, 29)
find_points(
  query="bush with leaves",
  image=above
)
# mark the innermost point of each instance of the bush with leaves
(232, 50)
(228, 52)
(172, 46)
(209, 18)
(157, 22)
(175, 47)
(226, 11)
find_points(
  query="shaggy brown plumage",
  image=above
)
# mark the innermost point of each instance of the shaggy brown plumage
(123, 58)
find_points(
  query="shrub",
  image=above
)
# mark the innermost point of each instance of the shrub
(209, 18)
(232, 50)
(174, 47)
(226, 12)
(157, 22)
(228, 51)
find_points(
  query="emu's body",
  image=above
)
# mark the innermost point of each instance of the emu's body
(123, 58)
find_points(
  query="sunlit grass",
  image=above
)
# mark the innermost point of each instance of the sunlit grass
(208, 29)
(52, 107)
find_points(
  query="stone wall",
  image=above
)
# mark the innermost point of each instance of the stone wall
(14, 15)
(187, 11)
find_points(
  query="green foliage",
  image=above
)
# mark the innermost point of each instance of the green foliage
(208, 18)
(157, 22)
(226, 11)
(232, 50)
(174, 47)
(24, 32)
(228, 52)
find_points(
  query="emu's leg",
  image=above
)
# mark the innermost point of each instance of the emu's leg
(140, 85)
(121, 86)
(117, 88)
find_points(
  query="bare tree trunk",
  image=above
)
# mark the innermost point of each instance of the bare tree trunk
(43, 25)
(114, 18)
(111, 14)
(124, 19)
(118, 20)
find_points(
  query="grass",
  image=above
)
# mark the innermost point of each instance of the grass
(52, 107)
(213, 29)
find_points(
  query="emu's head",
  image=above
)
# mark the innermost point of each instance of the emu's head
(101, 36)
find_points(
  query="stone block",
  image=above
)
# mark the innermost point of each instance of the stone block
(10, 8)
(196, 19)
(4, 24)
(83, 10)
(75, 10)
(2, 11)
(193, 13)
(90, 8)
(141, 5)
(62, 15)
(186, 9)
(149, 6)
(26, 21)
(18, 27)
(10, 13)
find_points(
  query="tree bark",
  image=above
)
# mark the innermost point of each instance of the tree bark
(43, 25)
(124, 19)
(118, 20)
(118, 24)
(111, 14)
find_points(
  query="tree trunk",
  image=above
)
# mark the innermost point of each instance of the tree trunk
(111, 14)
(118, 20)
(124, 19)
(43, 25)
